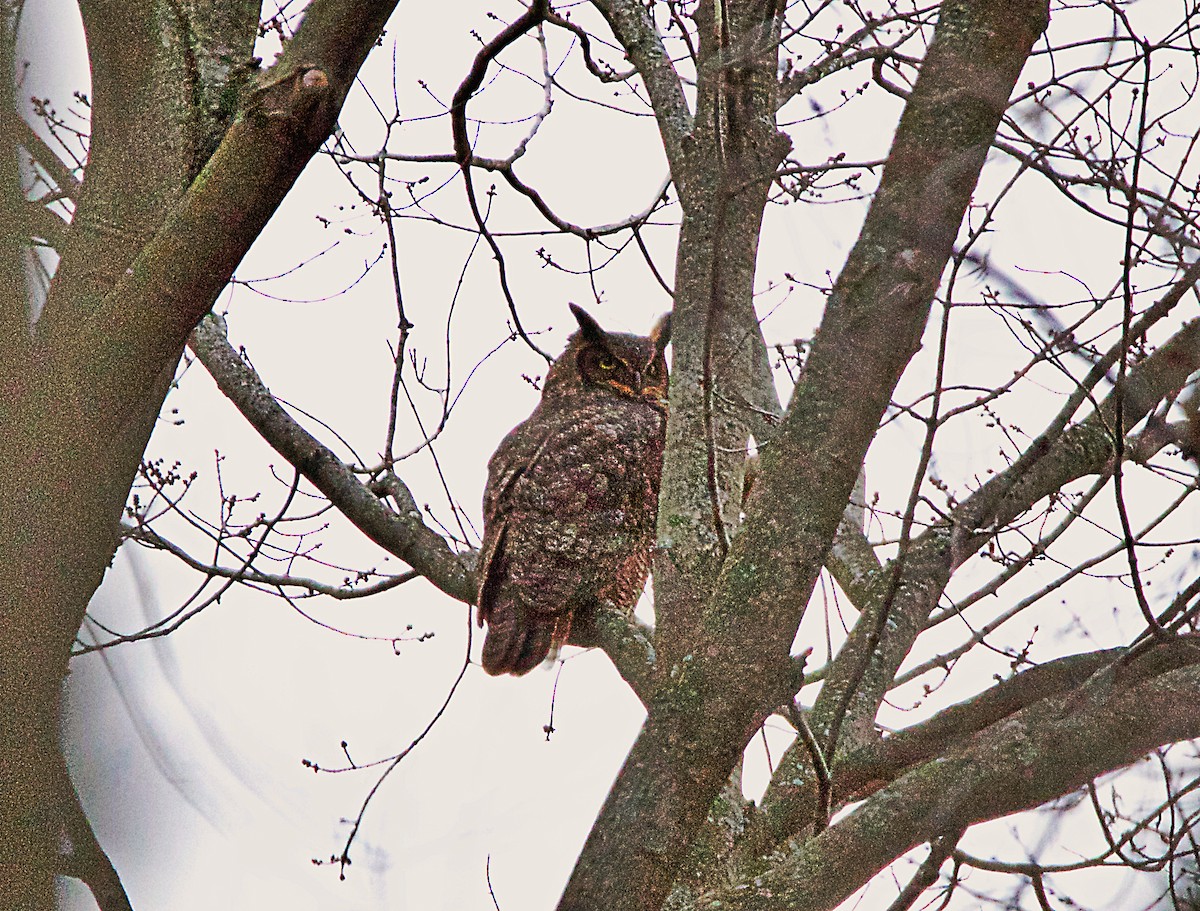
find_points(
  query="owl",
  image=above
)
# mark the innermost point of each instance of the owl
(572, 495)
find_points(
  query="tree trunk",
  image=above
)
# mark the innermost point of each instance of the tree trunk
(189, 157)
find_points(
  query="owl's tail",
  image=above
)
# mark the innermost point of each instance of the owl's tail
(519, 639)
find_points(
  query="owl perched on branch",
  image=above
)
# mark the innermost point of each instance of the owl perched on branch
(572, 495)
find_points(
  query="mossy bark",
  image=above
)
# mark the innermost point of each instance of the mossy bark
(729, 664)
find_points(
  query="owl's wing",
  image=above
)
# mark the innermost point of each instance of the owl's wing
(569, 516)
(514, 457)
(518, 637)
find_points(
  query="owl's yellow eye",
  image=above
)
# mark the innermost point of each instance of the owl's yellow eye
(606, 362)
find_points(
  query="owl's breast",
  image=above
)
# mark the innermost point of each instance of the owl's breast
(601, 462)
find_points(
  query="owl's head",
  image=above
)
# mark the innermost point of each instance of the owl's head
(630, 366)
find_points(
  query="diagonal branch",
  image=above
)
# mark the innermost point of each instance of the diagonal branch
(1055, 459)
(1063, 456)
(852, 561)
(601, 71)
(165, 84)
(1036, 755)
(64, 179)
(140, 326)
(634, 30)
(866, 770)
(400, 532)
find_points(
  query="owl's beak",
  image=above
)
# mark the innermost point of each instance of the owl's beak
(637, 381)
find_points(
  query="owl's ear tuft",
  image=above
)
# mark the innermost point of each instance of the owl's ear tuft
(661, 333)
(588, 327)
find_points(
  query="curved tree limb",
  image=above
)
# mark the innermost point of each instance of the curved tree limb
(175, 278)
(635, 31)
(1039, 753)
(149, 69)
(463, 154)
(865, 771)
(1081, 450)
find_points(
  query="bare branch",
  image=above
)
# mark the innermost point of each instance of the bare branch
(700, 720)
(504, 167)
(603, 72)
(463, 153)
(1084, 449)
(866, 770)
(144, 320)
(401, 532)
(1033, 756)
(633, 28)
(250, 576)
(927, 874)
(66, 182)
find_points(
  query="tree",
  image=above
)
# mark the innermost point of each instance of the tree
(1081, 110)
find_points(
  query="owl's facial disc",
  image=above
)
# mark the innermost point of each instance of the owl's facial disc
(629, 366)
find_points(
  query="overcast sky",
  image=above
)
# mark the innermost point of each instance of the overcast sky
(188, 749)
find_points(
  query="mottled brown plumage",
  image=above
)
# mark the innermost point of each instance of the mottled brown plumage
(572, 495)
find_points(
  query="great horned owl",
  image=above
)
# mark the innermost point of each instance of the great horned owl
(572, 495)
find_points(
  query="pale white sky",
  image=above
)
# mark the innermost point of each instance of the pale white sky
(188, 749)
